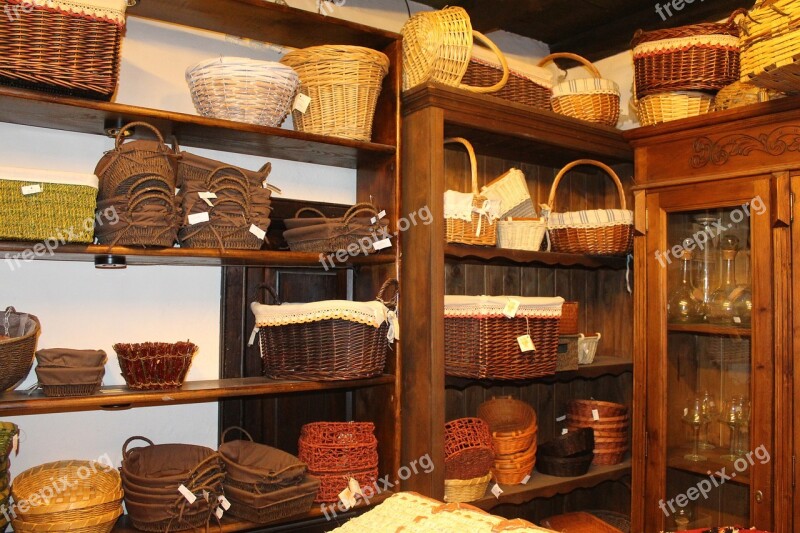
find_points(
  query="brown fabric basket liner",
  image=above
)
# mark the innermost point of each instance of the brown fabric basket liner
(252, 462)
(196, 168)
(158, 465)
(65, 357)
(307, 485)
(70, 376)
(573, 443)
(324, 235)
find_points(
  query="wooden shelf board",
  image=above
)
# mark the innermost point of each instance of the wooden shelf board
(264, 21)
(710, 329)
(517, 132)
(714, 464)
(119, 397)
(31, 108)
(544, 486)
(504, 257)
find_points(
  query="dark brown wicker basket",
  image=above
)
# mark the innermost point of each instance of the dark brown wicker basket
(16, 353)
(155, 365)
(519, 88)
(257, 468)
(288, 502)
(564, 466)
(573, 443)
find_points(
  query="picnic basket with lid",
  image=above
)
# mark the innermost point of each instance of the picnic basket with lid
(594, 232)
(770, 40)
(19, 333)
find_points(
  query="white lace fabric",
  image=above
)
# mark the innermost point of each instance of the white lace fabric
(493, 306)
(109, 10)
(370, 313)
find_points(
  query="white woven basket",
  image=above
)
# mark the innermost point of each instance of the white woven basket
(521, 234)
(511, 190)
(243, 90)
(587, 348)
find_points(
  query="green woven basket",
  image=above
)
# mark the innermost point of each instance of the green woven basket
(60, 208)
(8, 430)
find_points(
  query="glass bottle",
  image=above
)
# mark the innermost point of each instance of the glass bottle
(706, 262)
(682, 305)
(720, 306)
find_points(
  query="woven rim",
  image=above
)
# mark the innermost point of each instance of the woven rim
(100, 484)
(57, 527)
(706, 28)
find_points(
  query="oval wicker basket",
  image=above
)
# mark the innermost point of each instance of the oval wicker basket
(155, 365)
(569, 444)
(584, 408)
(437, 47)
(243, 90)
(468, 448)
(344, 83)
(512, 423)
(480, 230)
(574, 466)
(666, 107)
(17, 352)
(99, 524)
(466, 490)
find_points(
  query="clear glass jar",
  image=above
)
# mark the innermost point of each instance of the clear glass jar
(683, 307)
(720, 308)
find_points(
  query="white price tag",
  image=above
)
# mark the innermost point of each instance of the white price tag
(219, 512)
(197, 218)
(347, 499)
(497, 491)
(302, 102)
(190, 497)
(382, 214)
(525, 480)
(561, 418)
(737, 320)
(253, 336)
(380, 245)
(564, 431)
(354, 487)
(223, 501)
(207, 197)
(15, 444)
(205, 495)
(526, 344)
(258, 232)
(595, 414)
(510, 310)
(31, 189)
(685, 411)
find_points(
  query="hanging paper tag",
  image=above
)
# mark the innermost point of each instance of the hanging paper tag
(197, 218)
(354, 487)
(525, 480)
(374, 220)
(394, 327)
(253, 336)
(258, 232)
(302, 102)
(207, 197)
(205, 495)
(595, 414)
(15, 444)
(347, 499)
(223, 501)
(31, 189)
(190, 497)
(685, 411)
(380, 245)
(561, 418)
(511, 308)
(497, 491)
(177, 191)
(564, 431)
(526, 344)
(218, 513)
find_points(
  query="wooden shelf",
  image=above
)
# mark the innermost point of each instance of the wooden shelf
(714, 464)
(517, 132)
(30, 108)
(119, 397)
(264, 21)
(710, 329)
(498, 256)
(544, 486)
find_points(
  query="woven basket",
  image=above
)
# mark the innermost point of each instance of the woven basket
(331, 485)
(344, 83)
(8, 430)
(289, 502)
(468, 448)
(699, 57)
(511, 190)
(521, 234)
(482, 343)
(512, 422)
(437, 47)
(155, 365)
(574, 466)
(338, 447)
(739, 94)
(666, 107)
(606, 410)
(609, 457)
(587, 348)
(569, 444)
(480, 229)
(17, 352)
(466, 490)
(100, 524)
(598, 236)
(329, 235)
(65, 382)
(243, 90)
(160, 469)
(258, 468)
(569, 319)
(592, 99)
(324, 340)
(72, 50)
(520, 88)
(770, 41)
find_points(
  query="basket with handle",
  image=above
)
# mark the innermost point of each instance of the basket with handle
(524, 86)
(148, 217)
(470, 217)
(770, 43)
(19, 333)
(328, 235)
(587, 348)
(593, 232)
(257, 468)
(437, 47)
(594, 99)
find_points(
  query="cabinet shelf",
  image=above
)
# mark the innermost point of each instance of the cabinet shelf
(544, 486)
(31, 108)
(118, 397)
(710, 329)
(504, 257)
(713, 464)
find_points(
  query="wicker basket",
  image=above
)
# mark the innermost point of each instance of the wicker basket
(569, 319)
(521, 87)
(666, 107)
(338, 447)
(286, 503)
(468, 448)
(598, 232)
(475, 226)
(329, 235)
(8, 430)
(74, 381)
(344, 83)
(100, 524)
(17, 351)
(482, 343)
(331, 485)
(512, 422)
(574, 466)
(521, 234)
(699, 57)
(328, 340)
(605, 410)
(70, 47)
(243, 90)
(401, 509)
(155, 365)
(569, 444)
(592, 99)
(511, 190)
(770, 41)
(437, 47)
(257, 468)
(739, 94)
(587, 348)
(466, 490)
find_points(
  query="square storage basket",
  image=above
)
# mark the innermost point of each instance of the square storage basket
(481, 342)
(64, 207)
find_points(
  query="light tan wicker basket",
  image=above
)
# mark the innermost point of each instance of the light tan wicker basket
(739, 94)
(481, 229)
(666, 107)
(437, 46)
(466, 490)
(344, 83)
(592, 99)
(521, 233)
(511, 190)
(770, 41)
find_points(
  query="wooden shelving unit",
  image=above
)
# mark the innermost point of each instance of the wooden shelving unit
(710, 329)
(713, 464)
(464, 254)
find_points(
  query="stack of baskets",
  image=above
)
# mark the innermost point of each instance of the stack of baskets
(264, 484)
(501, 337)
(171, 487)
(337, 452)
(64, 372)
(326, 340)
(468, 459)
(514, 427)
(9, 435)
(678, 70)
(137, 181)
(610, 423)
(243, 90)
(568, 455)
(19, 333)
(89, 499)
(361, 228)
(155, 365)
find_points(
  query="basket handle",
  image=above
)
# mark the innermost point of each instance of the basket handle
(126, 451)
(575, 57)
(362, 206)
(551, 200)
(241, 430)
(503, 63)
(381, 297)
(473, 161)
(310, 210)
(352, 215)
(236, 170)
(120, 140)
(142, 195)
(271, 290)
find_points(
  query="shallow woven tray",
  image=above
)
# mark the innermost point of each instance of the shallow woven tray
(466, 490)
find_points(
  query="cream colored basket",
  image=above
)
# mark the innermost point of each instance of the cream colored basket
(587, 348)
(437, 46)
(511, 190)
(521, 234)
(666, 107)
(466, 490)
(770, 41)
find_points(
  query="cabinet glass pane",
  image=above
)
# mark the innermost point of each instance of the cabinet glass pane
(708, 382)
